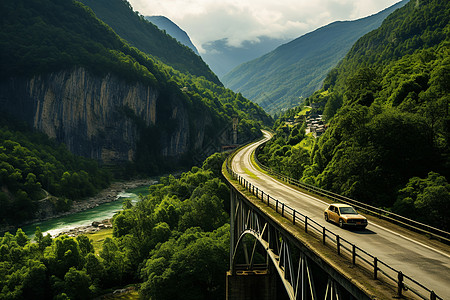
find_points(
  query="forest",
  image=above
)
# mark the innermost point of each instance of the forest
(177, 236)
(43, 36)
(34, 167)
(387, 144)
(386, 108)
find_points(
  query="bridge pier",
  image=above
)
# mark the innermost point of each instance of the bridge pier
(252, 285)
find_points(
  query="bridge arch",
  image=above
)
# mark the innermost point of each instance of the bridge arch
(303, 274)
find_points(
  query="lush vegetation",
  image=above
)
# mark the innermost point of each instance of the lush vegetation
(145, 36)
(282, 78)
(44, 36)
(177, 236)
(387, 108)
(32, 166)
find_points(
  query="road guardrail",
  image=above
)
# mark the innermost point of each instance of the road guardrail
(343, 247)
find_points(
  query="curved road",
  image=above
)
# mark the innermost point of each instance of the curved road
(427, 264)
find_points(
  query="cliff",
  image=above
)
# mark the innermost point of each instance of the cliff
(102, 117)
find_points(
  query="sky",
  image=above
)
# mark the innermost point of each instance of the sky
(247, 20)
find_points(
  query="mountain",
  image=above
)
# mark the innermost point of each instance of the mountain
(145, 36)
(173, 30)
(386, 108)
(222, 58)
(278, 79)
(69, 75)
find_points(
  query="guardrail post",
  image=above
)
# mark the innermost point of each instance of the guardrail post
(268, 200)
(375, 268)
(399, 284)
(306, 224)
(257, 193)
(324, 235)
(293, 218)
(353, 254)
(338, 244)
(433, 296)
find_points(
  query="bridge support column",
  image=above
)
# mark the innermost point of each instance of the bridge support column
(252, 285)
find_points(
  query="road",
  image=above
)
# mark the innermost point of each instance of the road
(415, 257)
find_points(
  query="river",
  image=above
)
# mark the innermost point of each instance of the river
(86, 217)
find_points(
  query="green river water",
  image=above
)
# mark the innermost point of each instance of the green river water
(85, 218)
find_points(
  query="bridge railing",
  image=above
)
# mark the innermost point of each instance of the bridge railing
(433, 232)
(343, 247)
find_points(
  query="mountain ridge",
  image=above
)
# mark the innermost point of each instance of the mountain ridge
(86, 86)
(165, 24)
(297, 68)
(146, 36)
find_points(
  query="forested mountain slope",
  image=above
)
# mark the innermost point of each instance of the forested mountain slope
(173, 30)
(69, 75)
(296, 69)
(145, 36)
(35, 169)
(387, 109)
(178, 235)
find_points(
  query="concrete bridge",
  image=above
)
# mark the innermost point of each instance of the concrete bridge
(282, 248)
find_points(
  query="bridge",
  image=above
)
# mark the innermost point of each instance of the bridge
(282, 248)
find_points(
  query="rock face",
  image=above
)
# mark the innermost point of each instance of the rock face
(98, 117)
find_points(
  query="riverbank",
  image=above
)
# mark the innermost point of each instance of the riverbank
(105, 196)
(89, 229)
(46, 210)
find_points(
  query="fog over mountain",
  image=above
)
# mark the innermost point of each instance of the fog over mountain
(222, 58)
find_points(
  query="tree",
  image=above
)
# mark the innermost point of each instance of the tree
(64, 254)
(94, 268)
(21, 237)
(77, 284)
(430, 195)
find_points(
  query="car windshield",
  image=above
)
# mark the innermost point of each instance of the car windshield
(348, 211)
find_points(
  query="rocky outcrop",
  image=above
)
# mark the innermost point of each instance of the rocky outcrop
(91, 113)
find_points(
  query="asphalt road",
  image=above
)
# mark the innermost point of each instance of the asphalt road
(415, 257)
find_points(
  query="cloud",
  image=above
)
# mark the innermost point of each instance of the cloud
(247, 20)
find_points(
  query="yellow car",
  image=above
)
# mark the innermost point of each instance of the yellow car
(344, 215)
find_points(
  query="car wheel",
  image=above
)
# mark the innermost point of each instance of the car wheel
(326, 217)
(341, 223)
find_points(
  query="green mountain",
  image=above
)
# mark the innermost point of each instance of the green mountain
(173, 30)
(281, 78)
(386, 105)
(68, 75)
(145, 36)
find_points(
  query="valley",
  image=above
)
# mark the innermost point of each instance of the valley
(96, 102)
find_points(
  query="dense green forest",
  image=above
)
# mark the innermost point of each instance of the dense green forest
(387, 110)
(177, 236)
(32, 166)
(145, 36)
